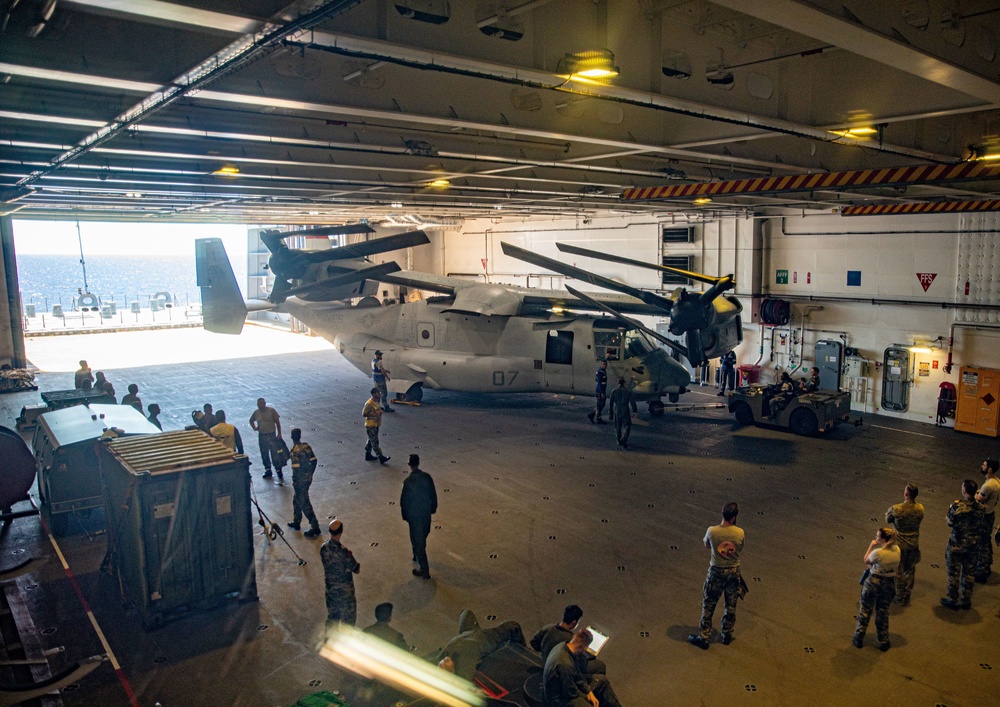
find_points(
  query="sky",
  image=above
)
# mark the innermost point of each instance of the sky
(60, 238)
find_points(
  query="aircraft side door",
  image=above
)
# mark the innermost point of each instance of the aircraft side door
(558, 360)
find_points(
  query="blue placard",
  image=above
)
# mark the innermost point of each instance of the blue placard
(854, 278)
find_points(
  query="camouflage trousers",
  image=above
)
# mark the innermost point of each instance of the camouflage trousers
(876, 595)
(720, 581)
(383, 391)
(301, 505)
(373, 447)
(341, 604)
(906, 573)
(623, 427)
(984, 558)
(961, 573)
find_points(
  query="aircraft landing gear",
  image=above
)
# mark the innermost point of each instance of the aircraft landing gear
(655, 408)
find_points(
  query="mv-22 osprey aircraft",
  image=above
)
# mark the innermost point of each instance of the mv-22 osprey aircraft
(479, 337)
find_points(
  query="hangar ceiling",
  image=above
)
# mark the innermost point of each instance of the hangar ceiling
(427, 111)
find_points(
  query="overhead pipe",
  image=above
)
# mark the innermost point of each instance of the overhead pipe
(413, 57)
(951, 338)
(956, 231)
(806, 311)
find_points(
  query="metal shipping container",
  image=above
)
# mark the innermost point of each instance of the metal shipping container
(65, 444)
(180, 533)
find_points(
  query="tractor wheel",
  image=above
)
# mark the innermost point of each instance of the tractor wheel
(743, 413)
(803, 422)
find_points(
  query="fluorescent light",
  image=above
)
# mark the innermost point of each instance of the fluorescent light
(440, 183)
(857, 133)
(702, 200)
(919, 349)
(227, 171)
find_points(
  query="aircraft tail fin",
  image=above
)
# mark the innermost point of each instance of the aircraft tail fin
(222, 306)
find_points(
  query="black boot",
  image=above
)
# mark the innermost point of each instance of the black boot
(369, 457)
(383, 460)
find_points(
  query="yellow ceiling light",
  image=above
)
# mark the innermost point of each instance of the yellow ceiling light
(228, 170)
(991, 156)
(594, 65)
(856, 133)
(440, 184)
(920, 349)
(701, 200)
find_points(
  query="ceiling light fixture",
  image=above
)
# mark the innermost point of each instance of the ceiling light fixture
(702, 200)
(227, 171)
(857, 133)
(440, 184)
(594, 65)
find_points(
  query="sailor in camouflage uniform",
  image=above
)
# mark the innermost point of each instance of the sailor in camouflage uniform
(879, 587)
(339, 568)
(906, 518)
(303, 466)
(965, 516)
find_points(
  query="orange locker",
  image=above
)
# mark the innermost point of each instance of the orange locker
(978, 408)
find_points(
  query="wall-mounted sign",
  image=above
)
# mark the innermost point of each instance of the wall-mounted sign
(780, 277)
(925, 369)
(854, 278)
(926, 278)
(934, 365)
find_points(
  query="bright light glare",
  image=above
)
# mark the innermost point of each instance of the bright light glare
(919, 349)
(857, 133)
(375, 659)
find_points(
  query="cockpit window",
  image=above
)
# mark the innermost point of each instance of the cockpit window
(637, 344)
(607, 344)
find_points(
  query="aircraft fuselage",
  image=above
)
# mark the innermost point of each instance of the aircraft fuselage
(426, 346)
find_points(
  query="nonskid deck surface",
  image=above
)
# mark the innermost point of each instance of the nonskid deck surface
(538, 509)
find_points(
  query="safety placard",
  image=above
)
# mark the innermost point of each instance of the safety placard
(781, 277)
(926, 279)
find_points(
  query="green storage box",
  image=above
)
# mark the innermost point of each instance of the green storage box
(322, 699)
(180, 535)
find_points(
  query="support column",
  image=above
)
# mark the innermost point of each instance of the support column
(11, 328)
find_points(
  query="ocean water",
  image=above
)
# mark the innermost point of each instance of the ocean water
(52, 279)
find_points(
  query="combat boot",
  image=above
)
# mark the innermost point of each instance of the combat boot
(590, 416)
(311, 533)
(383, 460)
(695, 639)
(369, 457)
(600, 421)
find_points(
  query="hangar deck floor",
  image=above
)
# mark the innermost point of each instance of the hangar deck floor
(538, 509)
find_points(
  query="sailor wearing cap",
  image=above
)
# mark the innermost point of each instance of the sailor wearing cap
(380, 375)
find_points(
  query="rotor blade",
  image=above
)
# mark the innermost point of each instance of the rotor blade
(570, 271)
(586, 252)
(709, 295)
(628, 320)
(372, 273)
(330, 230)
(366, 248)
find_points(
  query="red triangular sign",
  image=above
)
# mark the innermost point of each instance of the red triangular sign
(926, 278)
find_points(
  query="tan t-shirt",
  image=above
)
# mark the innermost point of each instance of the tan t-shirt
(266, 420)
(884, 560)
(718, 534)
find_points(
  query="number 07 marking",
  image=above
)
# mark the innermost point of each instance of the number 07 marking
(499, 378)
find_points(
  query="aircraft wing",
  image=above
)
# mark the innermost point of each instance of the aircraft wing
(554, 299)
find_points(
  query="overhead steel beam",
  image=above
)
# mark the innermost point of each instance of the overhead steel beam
(222, 63)
(937, 207)
(815, 22)
(855, 179)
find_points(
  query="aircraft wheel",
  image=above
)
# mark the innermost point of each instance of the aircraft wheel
(655, 408)
(803, 422)
(743, 413)
(674, 397)
(415, 393)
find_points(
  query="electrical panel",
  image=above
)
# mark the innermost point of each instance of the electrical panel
(856, 368)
